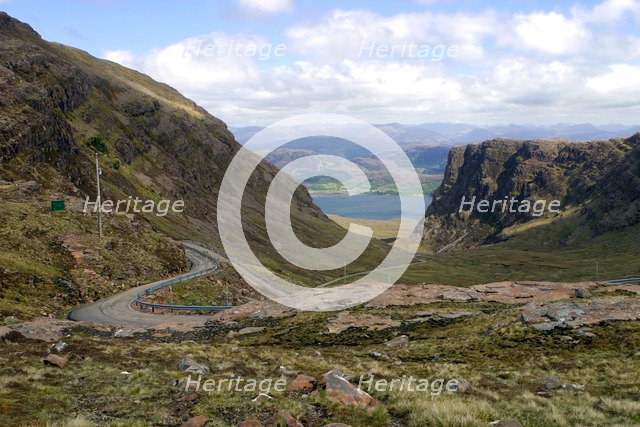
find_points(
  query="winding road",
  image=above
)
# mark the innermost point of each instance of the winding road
(116, 310)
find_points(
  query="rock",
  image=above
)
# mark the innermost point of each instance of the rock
(199, 421)
(123, 333)
(187, 364)
(345, 320)
(585, 332)
(462, 386)
(342, 391)
(58, 348)
(547, 326)
(44, 329)
(253, 310)
(549, 383)
(250, 423)
(301, 383)
(283, 419)
(547, 316)
(576, 388)
(398, 342)
(505, 423)
(55, 360)
(565, 338)
(261, 397)
(337, 425)
(379, 355)
(189, 397)
(246, 331)
(288, 373)
(583, 293)
(10, 320)
(6, 333)
(317, 353)
(187, 384)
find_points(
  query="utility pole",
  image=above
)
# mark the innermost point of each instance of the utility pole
(344, 260)
(98, 199)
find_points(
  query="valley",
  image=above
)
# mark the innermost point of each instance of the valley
(519, 309)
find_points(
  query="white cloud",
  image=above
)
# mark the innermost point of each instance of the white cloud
(609, 11)
(122, 57)
(496, 77)
(621, 79)
(550, 33)
(266, 6)
(343, 33)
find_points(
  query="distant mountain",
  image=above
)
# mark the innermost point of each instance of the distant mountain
(450, 134)
(245, 133)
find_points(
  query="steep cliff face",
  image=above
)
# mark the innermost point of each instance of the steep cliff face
(597, 182)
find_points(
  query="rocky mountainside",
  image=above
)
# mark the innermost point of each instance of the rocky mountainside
(58, 107)
(597, 184)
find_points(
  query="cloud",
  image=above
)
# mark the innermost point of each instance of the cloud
(266, 6)
(621, 79)
(609, 11)
(550, 33)
(122, 57)
(542, 66)
(342, 34)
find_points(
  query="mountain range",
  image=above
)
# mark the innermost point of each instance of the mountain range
(449, 134)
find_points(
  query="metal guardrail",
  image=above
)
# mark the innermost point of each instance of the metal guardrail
(179, 279)
(623, 281)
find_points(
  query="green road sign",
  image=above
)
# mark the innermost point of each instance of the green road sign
(57, 205)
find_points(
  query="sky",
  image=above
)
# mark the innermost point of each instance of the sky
(252, 62)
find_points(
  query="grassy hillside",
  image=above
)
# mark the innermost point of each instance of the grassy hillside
(59, 106)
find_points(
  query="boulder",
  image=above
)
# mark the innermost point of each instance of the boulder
(288, 373)
(283, 419)
(187, 384)
(379, 355)
(563, 314)
(58, 348)
(250, 423)
(342, 391)
(187, 364)
(549, 383)
(575, 388)
(199, 421)
(44, 329)
(55, 360)
(461, 386)
(261, 397)
(301, 383)
(398, 342)
(583, 293)
(370, 322)
(505, 423)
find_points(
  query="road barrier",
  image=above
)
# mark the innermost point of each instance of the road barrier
(623, 281)
(179, 279)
